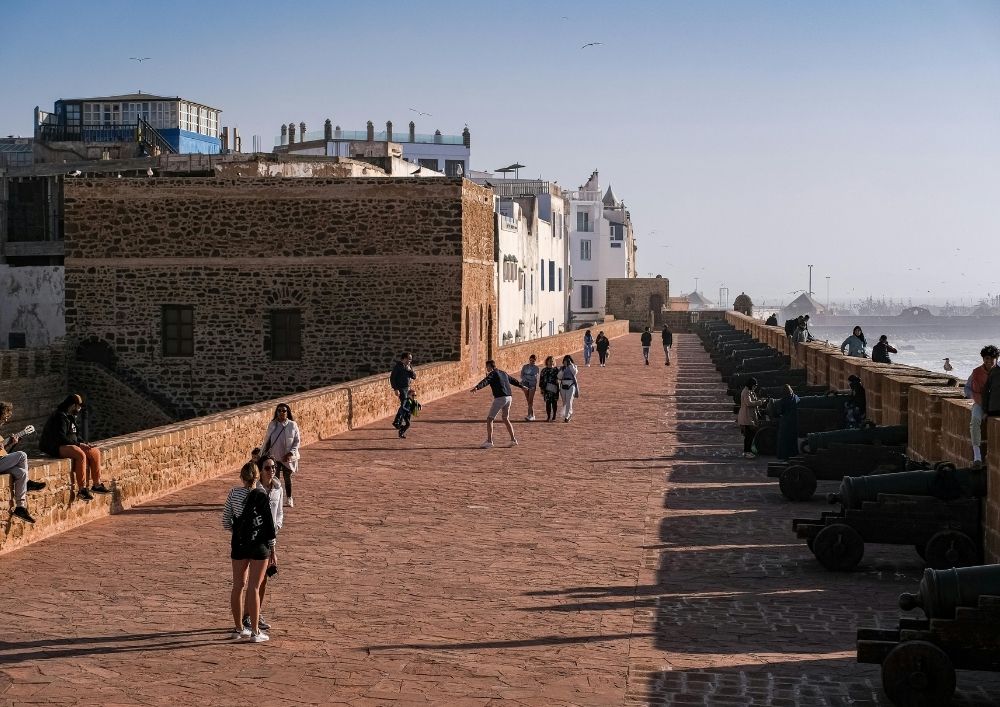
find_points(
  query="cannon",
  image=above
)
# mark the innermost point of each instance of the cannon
(890, 434)
(961, 631)
(810, 420)
(798, 476)
(937, 512)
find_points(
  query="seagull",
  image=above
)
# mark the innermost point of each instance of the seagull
(416, 171)
(149, 171)
(75, 173)
(140, 59)
(119, 175)
(487, 184)
(591, 44)
(420, 112)
(947, 365)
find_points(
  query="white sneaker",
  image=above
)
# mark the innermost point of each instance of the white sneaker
(291, 502)
(259, 637)
(486, 445)
(530, 418)
(513, 443)
(243, 633)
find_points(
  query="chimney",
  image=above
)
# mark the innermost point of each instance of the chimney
(388, 131)
(284, 134)
(302, 132)
(291, 133)
(466, 137)
(371, 131)
(413, 131)
(327, 130)
(437, 137)
(336, 132)
(224, 139)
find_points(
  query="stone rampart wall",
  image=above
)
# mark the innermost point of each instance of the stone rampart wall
(932, 406)
(113, 408)
(152, 463)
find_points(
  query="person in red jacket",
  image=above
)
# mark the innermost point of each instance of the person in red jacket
(974, 388)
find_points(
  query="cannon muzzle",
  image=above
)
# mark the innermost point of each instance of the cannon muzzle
(941, 592)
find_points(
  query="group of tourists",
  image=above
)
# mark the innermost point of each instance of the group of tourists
(254, 513)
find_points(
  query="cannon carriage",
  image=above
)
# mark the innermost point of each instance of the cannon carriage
(937, 512)
(797, 477)
(960, 631)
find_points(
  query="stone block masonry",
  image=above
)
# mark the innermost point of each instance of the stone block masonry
(370, 267)
(149, 464)
(35, 380)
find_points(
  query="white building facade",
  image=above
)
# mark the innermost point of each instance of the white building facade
(602, 245)
(532, 247)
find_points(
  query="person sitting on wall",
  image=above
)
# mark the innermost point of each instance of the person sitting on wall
(16, 464)
(772, 320)
(60, 439)
(802, 334)
(855, 344)
(881, 350)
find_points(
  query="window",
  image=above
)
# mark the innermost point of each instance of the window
(552, 276)
(468, 327)
(17, 340)
(542, 277)
(617, 232)
(178, 330)
(616, 244)
(72, 114)
(585, 249)
(583, 221)
(429, 164)
(560, 280)
(454, 168)
(586, 296)
(286, 335)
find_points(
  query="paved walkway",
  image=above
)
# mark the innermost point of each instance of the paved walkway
(627, 558)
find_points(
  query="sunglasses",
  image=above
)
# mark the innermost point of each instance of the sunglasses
(272, 467)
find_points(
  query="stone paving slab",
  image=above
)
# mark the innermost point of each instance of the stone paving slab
(629, 557)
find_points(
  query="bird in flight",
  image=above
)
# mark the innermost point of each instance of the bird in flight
(140, 59)
(420, 112)
(591, 44)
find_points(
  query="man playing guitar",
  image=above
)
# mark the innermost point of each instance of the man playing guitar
(16, 464)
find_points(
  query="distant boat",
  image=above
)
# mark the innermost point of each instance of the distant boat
(906, 347)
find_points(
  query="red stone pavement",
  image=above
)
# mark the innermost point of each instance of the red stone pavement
(629, 557)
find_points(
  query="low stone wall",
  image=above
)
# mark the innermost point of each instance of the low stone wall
(146, 465)
(933, 407)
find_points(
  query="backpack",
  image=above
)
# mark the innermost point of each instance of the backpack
(790, 326)
(247, 527)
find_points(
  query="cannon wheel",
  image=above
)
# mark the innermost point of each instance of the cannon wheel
(950, 548)
(839, 547)
(766, 441)
(797, 483)
(918, 674)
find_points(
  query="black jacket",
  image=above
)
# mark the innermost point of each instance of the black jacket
(991, 393)
(790, 326)
(603, 343)
(401, 376)
(646, 338)
(499, 383)
(59, 430)
(668, 337)
(881, 351)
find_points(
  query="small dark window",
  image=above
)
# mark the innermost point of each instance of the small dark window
(286, 335)
(586, 296)
(429, 164)
(178, 330)
(552, 276)
(16, 340)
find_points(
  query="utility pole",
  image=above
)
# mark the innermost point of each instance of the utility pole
(828, 292)
(810, 280)
(696, 285)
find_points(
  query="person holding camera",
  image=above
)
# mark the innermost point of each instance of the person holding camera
(270, 485)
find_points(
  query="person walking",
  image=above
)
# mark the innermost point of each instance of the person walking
(856, 407)
(668, 341)
(499, 383)
(881, 350)
(855, 344)
(974, 388)
(16, 464)
(588, 348)
(401, 375)
(270, 485)
(603, 344)
(281, 442)
(569, 386)
(747, 417)
(549, 383)
(529, 382)
(408, 409)
(247, 514)
(646, 340)
(61, 439)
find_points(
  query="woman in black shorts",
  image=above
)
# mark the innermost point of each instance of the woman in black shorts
(248, 515)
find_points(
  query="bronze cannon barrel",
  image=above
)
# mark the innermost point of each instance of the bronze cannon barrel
(945, 482)
(941, 592)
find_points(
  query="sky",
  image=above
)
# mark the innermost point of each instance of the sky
(749, 138)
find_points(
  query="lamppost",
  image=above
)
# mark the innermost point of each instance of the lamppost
(810, 280)
(696, 285)
(828, 292)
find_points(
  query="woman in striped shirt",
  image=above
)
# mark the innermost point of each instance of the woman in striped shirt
(248, 515)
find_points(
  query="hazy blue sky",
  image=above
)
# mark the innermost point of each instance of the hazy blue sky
(748, 138)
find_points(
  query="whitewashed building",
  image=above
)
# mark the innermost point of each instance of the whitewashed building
(532, 248)
(602, 246)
